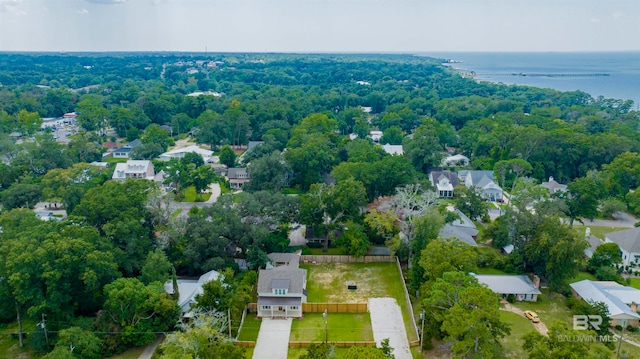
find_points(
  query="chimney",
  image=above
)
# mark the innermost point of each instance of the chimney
(634, 307)
(536, 281)
(550, 178)
(587, 232)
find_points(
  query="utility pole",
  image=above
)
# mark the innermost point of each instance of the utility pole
(44, 328)
(326, 327)
(422, 330)
(620, 344)
(229, 320)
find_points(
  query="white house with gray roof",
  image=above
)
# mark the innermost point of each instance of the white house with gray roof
(621, 301)
(189, 288)
(520, 286)
(484, 180)
(282, 289)
(629, 242)
(462, 228)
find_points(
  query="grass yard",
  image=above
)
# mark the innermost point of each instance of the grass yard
(549, 308)
(488, 270)
(520, 326)
(596, 230)
(319, 252)
(250, 328)
(341, 327)
(327, 283)
(634, 282)
(581, 276)
(190, 195)
(9, 347)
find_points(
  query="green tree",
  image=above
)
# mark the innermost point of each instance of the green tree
(29, 122)
(469, 201)
(319, 351)
(268, 173)
(227, 156)
(139, 310)
(423, 149)
(21, 195)
(201, 338)
(605, 255)
(353, 240)
(447, 255)
(156, 267)
(392, 135)
(154, 134)
(85, 344)
(583, 197)
(553, 346)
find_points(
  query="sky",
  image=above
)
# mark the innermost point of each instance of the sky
(319, 25)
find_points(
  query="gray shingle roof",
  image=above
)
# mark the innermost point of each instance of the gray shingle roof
(296, 276)
(594, 242)
(508, 284)
(286, 258)
(629, 239)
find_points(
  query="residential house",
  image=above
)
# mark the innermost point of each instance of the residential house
(463, 229)
(125, 150)
(444, 181)
(179, 153)
(455, 161)
(629, 242)
(237, 177)
(484, 180)
(282, 289)
(553, 186)
(134, 169)
(621, 301)
(520, 286)
(189, 289)
(394, 150)
(375, 136)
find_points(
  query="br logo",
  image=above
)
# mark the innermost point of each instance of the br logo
(584, 322)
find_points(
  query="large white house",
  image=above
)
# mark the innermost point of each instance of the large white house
(178, 153)
(483, 180)
(134, 169)
(282, 289)
(629, 242)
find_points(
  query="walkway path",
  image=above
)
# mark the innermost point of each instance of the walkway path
(625, 339)
(273, 339)
(386, 322)
(151, 348)
(540, 327)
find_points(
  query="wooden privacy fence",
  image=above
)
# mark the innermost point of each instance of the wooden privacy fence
(345, 259)
(320, 307)
(339, 344)
(335, 307)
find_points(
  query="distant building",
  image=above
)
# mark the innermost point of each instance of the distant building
(444, 181)
(455, 161)
(375, 136)
(125, 150)
(189, 289)
(553, 186)
(629, 242)
(134, 169)
(394, 150)
(237, 177)
(462, 229)
(178, 153)
(484, 180)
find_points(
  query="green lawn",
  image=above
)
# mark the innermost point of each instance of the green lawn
(596, 230)
(520, 326)
(549, 307)
(634, 282)
(191, 196)
(340, 327)
(319, 252)
(326, 282)
(487, 270)
(9, 347)
(250, 328)
(581, 276)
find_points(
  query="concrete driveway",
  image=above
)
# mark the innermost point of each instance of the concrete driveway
(386, 322)
(273, 339)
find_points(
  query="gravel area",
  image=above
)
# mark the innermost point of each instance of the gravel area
(273, 339)
(386, 321)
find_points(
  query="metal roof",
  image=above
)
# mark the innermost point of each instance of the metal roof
(508, 284)
(612, 294)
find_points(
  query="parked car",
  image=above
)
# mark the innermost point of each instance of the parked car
(532, 316)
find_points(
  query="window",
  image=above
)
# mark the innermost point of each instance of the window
(266, 307)
(293, 307)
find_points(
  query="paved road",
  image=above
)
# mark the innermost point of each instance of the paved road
(151, 348)
(296, 236)
(540, 326)
(622, 220)
(386, 322)
(273, 339)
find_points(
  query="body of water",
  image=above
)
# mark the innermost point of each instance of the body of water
(622, 70)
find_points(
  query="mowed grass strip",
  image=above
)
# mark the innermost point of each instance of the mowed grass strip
(250, 328)
(327, 283)
(340, 327)
(520, 326)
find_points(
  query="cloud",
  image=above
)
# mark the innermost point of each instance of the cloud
(82, 11)
(107, 2)
(8, 5)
